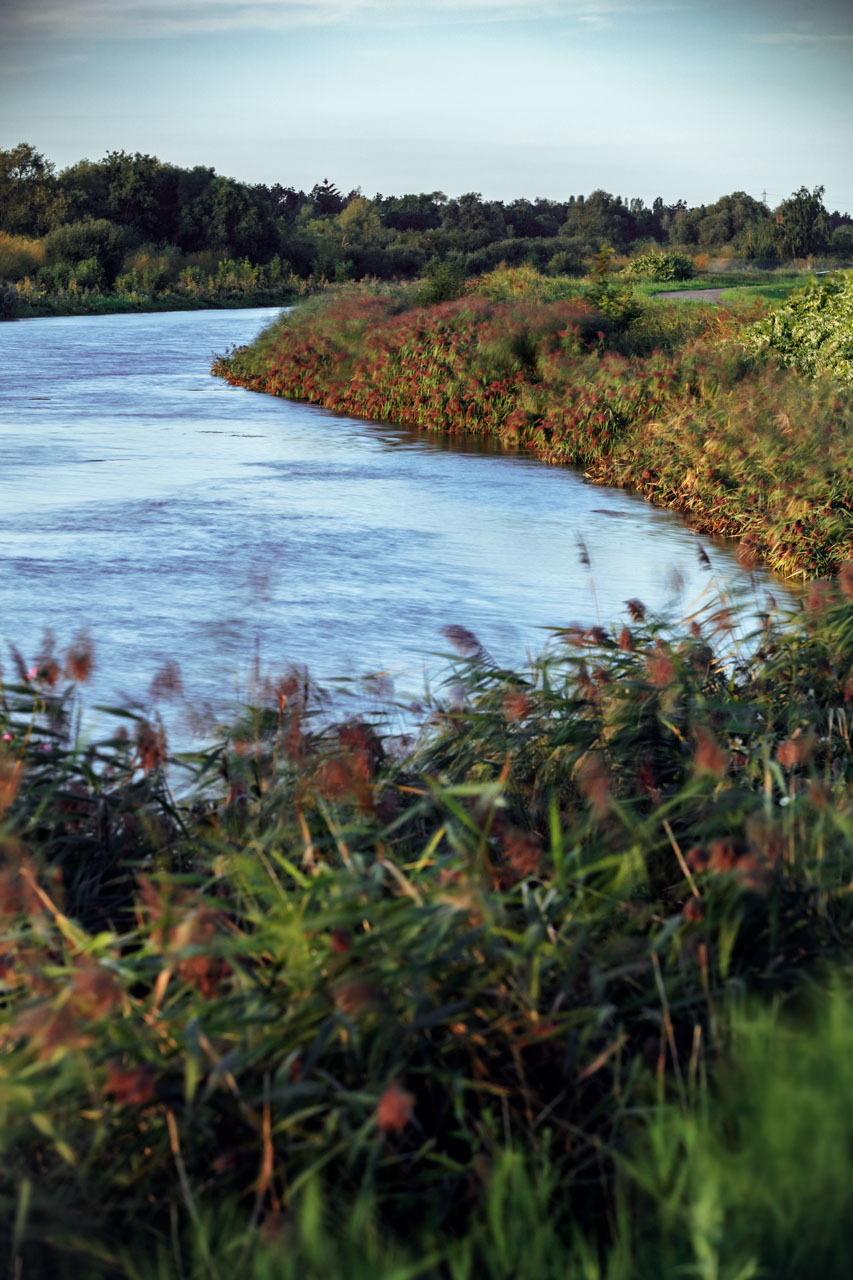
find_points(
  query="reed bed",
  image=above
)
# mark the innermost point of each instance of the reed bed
(561, 990)
(676, 403)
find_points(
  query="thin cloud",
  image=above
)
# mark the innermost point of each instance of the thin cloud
(799, 37)
(116, 19)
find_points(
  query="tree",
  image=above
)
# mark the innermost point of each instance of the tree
(358, 222)
(326, 198)
(30, 200)
(802, 224)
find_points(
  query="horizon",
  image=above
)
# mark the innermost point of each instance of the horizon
(641, 98)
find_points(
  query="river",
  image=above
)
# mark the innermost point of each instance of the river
(183, 520)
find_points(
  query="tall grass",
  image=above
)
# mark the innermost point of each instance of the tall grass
(673, 405)
(495, 1008)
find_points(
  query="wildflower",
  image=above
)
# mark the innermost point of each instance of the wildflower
(723, 855)
(395, 1108)
(817, 597)
(693, 911)
(355, 997)
(167, 682)
(796, 749)
(591, 776)
(10, 781)
(94, 989)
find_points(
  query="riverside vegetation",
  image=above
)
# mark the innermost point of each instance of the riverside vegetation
(702, 409)
(563, 991)
(560, 989)
(131, 232)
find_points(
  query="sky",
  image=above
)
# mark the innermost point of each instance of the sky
(686, 99)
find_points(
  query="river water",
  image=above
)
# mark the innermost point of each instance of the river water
(183, 520)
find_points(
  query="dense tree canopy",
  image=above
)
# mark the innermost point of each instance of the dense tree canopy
(131, 209)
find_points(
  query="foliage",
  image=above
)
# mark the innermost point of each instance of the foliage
(607, 291)
(802, 224)
(10, 307)
(658, 265)
(96, 239)
(163, 210)
(20, 256)
(347, 1012)
(525, 282)
(675, 406)
(813, 331)
(443, 281)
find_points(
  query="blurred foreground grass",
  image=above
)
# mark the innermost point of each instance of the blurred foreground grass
(560, 990)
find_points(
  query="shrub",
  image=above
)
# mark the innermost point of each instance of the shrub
(813, 331)
(10, 302)
(614, 298)
(660, 265)
(93, 238)
(19, 256)
(442, 282)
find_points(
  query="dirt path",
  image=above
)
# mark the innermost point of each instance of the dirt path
(701, 295)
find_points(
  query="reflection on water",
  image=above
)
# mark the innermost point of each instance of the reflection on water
(184, 520)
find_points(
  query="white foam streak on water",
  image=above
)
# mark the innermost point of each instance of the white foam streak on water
(181, 519)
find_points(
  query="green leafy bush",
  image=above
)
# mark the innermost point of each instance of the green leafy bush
(609, 293)
(92, 238)
(658, 265)
(813, 331)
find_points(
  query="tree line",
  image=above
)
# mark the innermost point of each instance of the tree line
(132, 218)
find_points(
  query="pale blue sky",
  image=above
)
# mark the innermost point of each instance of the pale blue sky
(685, 98)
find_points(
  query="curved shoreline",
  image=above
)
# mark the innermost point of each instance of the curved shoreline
(739, 447)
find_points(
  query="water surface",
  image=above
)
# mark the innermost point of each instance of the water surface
(181, 519)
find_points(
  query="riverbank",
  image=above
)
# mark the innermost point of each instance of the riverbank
(462, 1012)
(667, 402)
(519, 999)
(101, 304)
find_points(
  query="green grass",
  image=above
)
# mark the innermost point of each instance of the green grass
(745, 286)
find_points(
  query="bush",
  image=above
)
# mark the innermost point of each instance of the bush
(10, 302)
(657, 265)
(613, 297)
(19, 256)
(442, 282)
(153, 269)
(94, 238)
(813, 331)
(89, 273)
